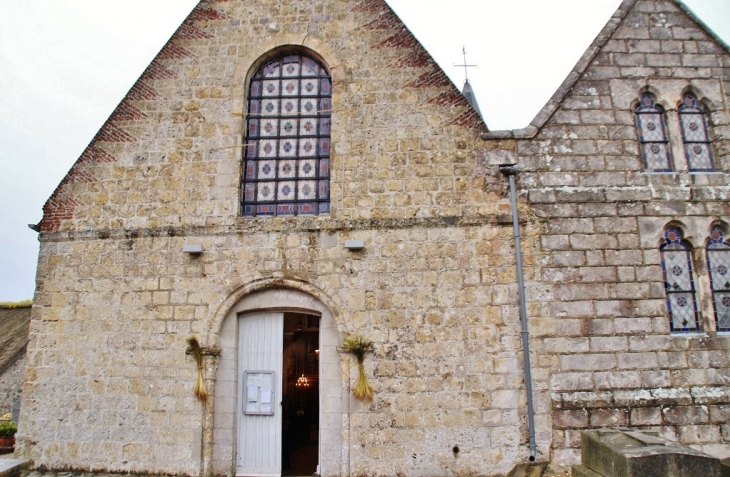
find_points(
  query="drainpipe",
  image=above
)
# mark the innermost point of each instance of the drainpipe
(510, 170)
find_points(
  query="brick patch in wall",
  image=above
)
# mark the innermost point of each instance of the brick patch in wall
(405, 39)
(171, 51)
(385, 21)
(156, 71)
(402, 39)
(203, 14)
(126, 112)
(77, 175)
(433, 78)
(58, 208)
(370, 6)
(189, 32)
(449, 98)
(111, 133)
(94, 154)
(468, 119)
(142, 92)
(416, 59)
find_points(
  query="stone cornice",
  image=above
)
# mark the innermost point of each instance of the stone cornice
(250, 225)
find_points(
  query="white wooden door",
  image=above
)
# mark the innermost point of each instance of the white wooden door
(260, 344)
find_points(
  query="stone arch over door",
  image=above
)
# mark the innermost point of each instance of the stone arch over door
(333, 392)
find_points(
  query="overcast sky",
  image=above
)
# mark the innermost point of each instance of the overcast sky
(66, 64)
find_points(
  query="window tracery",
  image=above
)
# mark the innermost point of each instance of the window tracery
(695, 135)
(679, 282)
(718, 265)
(652, 134)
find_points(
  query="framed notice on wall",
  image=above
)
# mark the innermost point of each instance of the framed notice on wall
(258, 389)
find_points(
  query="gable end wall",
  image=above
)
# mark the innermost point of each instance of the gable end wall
(601, 328)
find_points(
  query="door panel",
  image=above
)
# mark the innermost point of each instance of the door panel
(259, 436)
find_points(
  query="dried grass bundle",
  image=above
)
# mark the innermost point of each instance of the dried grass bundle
(359, 347)
(197, 352)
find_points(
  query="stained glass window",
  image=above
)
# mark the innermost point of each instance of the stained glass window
(652, 134)
(693, 122)
(679, 282)
(718, 264)
(287, 152)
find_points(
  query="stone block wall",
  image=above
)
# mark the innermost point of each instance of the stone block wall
(612, 360)
(438, 300)
(434, 288)
(696, 416)
(11, 382)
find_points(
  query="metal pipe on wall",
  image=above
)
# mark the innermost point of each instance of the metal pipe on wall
(510, 170)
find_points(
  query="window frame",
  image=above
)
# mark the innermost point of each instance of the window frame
(691, 106)
(287, 154)
(647, 106)
(716, 245)
(674, 243)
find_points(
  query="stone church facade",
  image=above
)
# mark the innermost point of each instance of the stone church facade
(226, 198)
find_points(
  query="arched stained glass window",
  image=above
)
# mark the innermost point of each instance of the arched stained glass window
(287, 153)
(652, 134)
(679, 282)
(718, 264)
(693, 122)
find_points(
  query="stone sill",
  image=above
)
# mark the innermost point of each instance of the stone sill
(691, 334)
(676, 173)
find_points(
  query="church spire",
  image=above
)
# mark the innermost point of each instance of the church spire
(467, 91)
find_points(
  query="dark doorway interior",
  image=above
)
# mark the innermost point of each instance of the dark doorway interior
(300, 420)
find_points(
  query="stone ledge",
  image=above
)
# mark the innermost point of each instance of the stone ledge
(279, 224)
(633, 398)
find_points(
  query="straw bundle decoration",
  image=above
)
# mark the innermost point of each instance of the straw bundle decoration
(359, 347)
(197, 352)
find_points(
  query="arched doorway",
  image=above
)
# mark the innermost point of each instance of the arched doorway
(270, 341)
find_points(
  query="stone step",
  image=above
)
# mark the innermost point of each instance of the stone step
(583, 471)
(12, 467)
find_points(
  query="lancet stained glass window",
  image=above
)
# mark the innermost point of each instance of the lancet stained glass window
(652, 134)
(718, 264)
(287, 152)
(693, 122)
(679, 282)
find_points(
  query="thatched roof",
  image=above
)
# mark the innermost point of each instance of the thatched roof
(14, 327)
